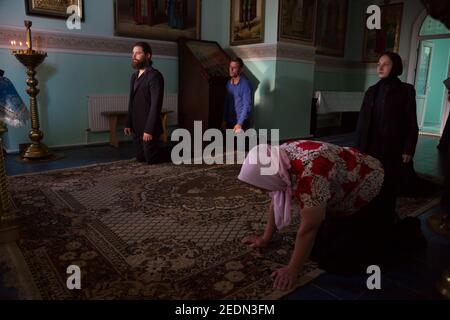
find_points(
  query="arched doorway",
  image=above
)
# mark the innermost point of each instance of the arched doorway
(429, 67)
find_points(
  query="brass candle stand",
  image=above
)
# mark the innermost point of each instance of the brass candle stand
(31, 59)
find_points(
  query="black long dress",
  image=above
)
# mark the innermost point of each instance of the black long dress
(444, 142)
(445, 200)
(387, 128)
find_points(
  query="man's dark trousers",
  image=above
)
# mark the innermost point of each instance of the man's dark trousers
(146, 151)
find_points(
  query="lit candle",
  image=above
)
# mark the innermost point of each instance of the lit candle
(28, 45)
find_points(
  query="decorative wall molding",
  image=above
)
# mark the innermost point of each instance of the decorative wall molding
(275, 51)
(89, 44)
(332, 64)
(303, 54)
(101, 45)
(255, 52)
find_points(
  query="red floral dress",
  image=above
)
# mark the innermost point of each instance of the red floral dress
(342, 178)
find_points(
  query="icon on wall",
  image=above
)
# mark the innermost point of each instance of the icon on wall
(246, 22)
(166, 20)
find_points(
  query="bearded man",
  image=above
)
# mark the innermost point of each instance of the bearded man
(145, 103)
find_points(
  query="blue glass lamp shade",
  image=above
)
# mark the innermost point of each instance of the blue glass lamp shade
(13, 111)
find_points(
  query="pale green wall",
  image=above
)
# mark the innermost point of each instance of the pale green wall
(361, 79)
(348, 80)
(216, 21)
(411, 11)
(438, 73)
(262, 75)
(339, 81)
(63, 112)
(271, 27)
(282, 98)
(65, 81)
(98, 18)
(283, 91)
(293, 94)
(355, 30)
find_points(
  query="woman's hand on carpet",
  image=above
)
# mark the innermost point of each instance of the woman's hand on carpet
(284, 278)
(255, 241)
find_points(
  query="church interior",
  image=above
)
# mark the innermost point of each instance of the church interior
(73, 194)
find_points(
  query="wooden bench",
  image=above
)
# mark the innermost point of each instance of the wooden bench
(117, 118)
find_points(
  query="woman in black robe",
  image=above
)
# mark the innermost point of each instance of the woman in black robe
(387, 126)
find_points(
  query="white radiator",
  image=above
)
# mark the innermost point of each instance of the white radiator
(119, 102)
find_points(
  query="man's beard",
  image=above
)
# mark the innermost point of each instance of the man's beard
(139, 64)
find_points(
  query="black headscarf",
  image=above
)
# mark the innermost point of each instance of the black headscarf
(397, 64)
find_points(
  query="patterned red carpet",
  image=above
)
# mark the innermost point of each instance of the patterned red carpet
(137, 231)
(413, 206)
(145, 232)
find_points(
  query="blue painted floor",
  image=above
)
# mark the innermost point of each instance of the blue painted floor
(70, 158)
(415, 279)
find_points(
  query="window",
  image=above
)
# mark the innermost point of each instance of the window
(431, 26)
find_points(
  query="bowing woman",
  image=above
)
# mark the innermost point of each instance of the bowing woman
(334, 187)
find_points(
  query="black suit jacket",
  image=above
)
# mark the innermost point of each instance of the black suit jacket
(400, 130)
(145, 103)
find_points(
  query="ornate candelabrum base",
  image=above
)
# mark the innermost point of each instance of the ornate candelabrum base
(37, 151)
